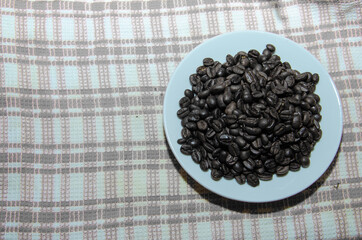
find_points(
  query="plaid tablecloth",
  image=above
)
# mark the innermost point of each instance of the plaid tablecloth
(83, 154)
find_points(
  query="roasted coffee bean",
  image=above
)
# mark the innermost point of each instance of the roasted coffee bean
(230, 108)
(256, 144)
(186, 149)
(249, 164)
(217, 88)
(234, 149)
(238, 167)
(181, 141)
(208, 147)
(215, 164)
(240, 141)
(211, 101)
(220, 101)
(305, 161)
(297, 121)
(241, 179)
(229, 176)
(266, 176)
(282, 170)
(270, 47)
(225, 139)
(193, 117)
(294, 166)
(204, 165)
(253, 130)
(270, 163)
(230, 160)
(183, 112)
(193, 142)
(188, 93)
(252, 180)
(216, 174)
(204, 94)
(210, 133)
(208, 62)
(203, 113)
(196, 156)
(217, 125)
(191, 126)
(184, 102)
(186, 133)
(202, 125)
(249, 138)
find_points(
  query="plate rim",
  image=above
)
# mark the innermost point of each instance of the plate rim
(188, 55)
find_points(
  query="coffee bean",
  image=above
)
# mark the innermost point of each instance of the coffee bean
(186, 149)
(234, 149)
(193, 142)
(216, 174)
(181, 141)
(186, 133)
(305, 161)
(241, 179)
(225, 139)
(217, 88)
(208, 147)
(183, 112)
(252, 180)
(282, 170)
(294, 166)
(196, 156)
(204, 165)
(249, 164)
(270, 47)
(208, 62)
(230, 160)
(202, 125)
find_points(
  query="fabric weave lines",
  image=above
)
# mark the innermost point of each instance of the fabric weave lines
(83, 154)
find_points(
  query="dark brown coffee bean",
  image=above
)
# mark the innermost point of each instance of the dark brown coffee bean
(294, 166)
(225, 139)
(270, 163)
(266, 176)
(241, 179)
(184, 102)
(216, 174)
(186, 133)
(238, 167)
(217, 88)
(230, 160)
(211, 101)
(256, 144)
(282, 170)
(181, 141)
(204, 165)
(186, 149)
(208, 147)
(208, 62)
(234, 149)
(191, 126)
(305, 161)
(253, 130)
(240, 141)
(249, 164)
(202, 125)
(183, 112)
(215, 164)
(270, 47)
(188, 93)
(252, 180)
(217, 125)
(196, 156)
(193, 142)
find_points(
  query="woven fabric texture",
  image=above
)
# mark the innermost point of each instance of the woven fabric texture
(83, 154)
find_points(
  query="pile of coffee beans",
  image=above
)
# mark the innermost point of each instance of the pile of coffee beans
(250, 117)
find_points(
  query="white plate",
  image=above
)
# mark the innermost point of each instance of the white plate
(301, 60)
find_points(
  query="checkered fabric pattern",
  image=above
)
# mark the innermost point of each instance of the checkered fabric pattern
(83, 154)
